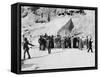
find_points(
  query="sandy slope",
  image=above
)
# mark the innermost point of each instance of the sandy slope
(60, 58)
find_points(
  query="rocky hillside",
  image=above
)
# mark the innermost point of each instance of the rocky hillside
(82, 23)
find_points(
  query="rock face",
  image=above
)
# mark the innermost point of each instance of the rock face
(84, 24)
(66, 29)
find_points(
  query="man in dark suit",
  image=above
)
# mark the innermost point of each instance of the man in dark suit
(49, 44)
(26, 47)
(90, 46)
(42, 43)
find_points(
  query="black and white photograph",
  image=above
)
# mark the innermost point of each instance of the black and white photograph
(57, 38)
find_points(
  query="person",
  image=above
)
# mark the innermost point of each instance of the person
(87, 43)
(90, 45)
(26, 47)
(42, 43)
(52, 41)
(58, 41)
(45, 36)
(62, 42)
(78, 39)
(80, 43)
(69, 42)
(39, 40)
(49, 44)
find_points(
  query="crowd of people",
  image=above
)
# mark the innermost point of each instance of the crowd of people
(50, 42)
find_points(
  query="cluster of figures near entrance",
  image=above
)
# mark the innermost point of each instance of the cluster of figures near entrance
(49, 42)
